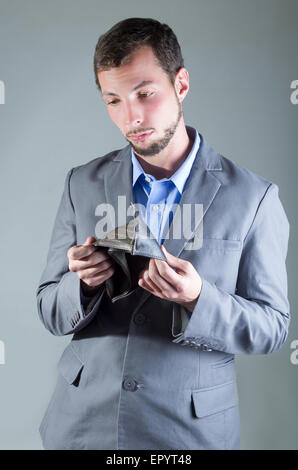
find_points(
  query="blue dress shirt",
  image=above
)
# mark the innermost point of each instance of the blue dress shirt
(159, 197)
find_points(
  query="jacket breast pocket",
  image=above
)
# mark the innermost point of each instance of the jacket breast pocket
(218, 261)
(221, 245)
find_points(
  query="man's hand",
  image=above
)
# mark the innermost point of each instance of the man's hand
(93, 266)
(182, 285)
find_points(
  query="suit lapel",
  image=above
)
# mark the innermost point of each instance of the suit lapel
(201, 188)
(118, 185)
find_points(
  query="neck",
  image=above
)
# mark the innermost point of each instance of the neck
(167, 162)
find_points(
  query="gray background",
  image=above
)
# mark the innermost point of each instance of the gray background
(242, 57)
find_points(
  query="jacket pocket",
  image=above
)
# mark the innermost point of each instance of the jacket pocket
(219, 244)
(70, 366)
(224, 362)
(211, 400)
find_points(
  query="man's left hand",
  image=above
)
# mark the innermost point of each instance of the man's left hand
(182, 284)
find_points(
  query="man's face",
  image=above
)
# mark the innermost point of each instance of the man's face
(142, 102)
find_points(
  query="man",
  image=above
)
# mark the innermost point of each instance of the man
(155, 369)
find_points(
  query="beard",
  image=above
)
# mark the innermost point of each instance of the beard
(157, 147)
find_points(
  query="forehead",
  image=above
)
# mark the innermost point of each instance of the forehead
(143, 66)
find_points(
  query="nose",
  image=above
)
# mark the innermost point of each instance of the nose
(133, 115)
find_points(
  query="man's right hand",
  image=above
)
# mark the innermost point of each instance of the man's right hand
(93, 266)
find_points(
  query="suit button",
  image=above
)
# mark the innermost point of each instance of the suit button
(130, 385)
(140, 319)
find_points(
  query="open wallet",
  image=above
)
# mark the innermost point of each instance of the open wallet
(131, 246)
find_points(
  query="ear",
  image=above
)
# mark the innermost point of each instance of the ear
(182, 83)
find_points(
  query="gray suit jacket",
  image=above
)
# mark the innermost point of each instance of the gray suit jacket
(139, 373)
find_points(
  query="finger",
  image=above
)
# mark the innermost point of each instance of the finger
(95, 270)
(175, 262)
(89, 241)
(80, 251)
(99, 279)
(169, 274)
(151, 283)
(89, 261)
(157, 280)
(146, 284)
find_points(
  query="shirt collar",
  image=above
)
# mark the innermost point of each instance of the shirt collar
(180, 176)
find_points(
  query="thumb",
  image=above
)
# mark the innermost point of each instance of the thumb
(89, 241)
(173, 261)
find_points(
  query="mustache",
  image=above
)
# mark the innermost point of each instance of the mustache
(139, 131)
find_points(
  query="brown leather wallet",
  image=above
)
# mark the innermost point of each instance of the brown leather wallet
(131, 246)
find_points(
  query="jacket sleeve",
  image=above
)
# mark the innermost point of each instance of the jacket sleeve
(59, 291)
(256, 318)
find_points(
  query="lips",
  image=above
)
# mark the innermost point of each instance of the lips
(140, 137)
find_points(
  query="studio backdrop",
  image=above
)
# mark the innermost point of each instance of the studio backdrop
(242, 61)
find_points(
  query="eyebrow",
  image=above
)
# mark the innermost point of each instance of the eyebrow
(140, 85)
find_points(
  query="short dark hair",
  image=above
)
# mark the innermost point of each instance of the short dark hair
(116, 46)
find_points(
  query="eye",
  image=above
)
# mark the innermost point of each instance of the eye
(145, 94)
(113, 102)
